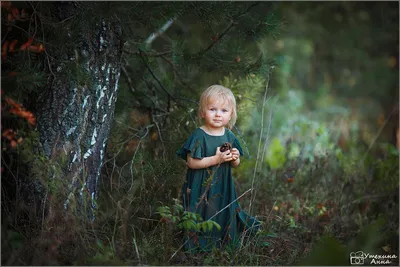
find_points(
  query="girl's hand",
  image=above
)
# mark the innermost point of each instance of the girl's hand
(223, 156)
(235, 154)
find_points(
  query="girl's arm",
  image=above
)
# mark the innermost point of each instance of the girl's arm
(218, 158)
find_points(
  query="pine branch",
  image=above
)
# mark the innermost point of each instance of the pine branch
(155, 77)
(217, 39)
(176, 72)
(231, 25)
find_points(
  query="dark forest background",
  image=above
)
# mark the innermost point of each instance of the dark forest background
(97, 97)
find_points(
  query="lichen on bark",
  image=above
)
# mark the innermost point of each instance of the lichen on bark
(80, 113)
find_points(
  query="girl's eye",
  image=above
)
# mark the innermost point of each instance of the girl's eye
(224, 110)
(212, 109)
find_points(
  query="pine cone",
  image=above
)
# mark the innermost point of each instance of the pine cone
(225, 146)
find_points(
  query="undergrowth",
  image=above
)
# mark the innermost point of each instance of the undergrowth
(296, 208)
(309, 189)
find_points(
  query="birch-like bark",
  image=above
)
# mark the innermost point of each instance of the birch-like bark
(75, 118)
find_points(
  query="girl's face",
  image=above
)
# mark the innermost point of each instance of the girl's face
(217, 113)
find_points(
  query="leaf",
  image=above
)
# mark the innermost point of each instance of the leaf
(204, 227)
(209, 226)
(185, 217)
(177, 208)
(24, 46)
(265, 244)
(272, 235)
(4, 49)
(192, 225)
(36, 48)
(217, 226)
(161, 209)
(198, 217)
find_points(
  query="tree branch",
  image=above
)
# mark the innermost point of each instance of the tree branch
(176, 72)
(153, 36)
(216, 40)
(128, 79)
(233, 23)
(137, 53)
(155, 77)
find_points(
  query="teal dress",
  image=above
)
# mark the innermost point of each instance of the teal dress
(208, 191)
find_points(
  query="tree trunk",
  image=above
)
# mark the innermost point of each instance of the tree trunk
(76, 115)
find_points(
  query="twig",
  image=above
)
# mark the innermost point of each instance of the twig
(137, 53)
(128, 78)
(188, 100)
(173, 255)
(5, 35)
(27, 33)
(159, 133)
(60, 22)
(176, 72)
(259, 143)
(216, 40)
(229, 204)
(43, 38)
(134, 155)
(146, 219)
(155, 77)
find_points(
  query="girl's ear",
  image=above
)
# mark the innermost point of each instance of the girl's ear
(201, 114)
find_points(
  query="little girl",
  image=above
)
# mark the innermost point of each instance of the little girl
(209, 189)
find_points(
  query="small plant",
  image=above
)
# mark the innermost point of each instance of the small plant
(186, 220)
(191, 223)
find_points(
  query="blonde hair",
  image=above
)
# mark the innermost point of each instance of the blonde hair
(220, 92)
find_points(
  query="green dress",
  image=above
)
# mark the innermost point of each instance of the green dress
(207, 191)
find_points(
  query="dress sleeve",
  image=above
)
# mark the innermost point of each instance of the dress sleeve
(192, 146)
(236, 144)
